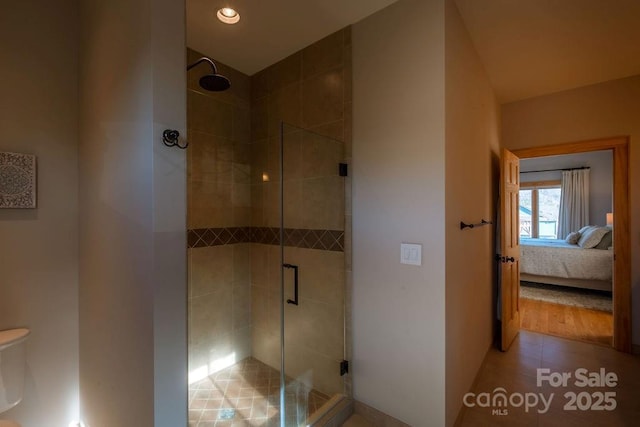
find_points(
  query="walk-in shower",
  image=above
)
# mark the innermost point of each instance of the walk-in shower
(267, 243)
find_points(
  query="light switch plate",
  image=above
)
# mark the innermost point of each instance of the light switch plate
(411, 253)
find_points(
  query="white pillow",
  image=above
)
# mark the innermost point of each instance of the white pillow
(573, 237)
(592, 236)
(607, 240)
(585, 228)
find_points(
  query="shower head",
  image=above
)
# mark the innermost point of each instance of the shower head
(213, 82)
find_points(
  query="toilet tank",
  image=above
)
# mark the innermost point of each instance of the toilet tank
(12, 367)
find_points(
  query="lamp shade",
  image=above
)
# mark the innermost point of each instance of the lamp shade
(610, 218)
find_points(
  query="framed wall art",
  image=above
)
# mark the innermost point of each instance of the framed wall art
(17, 181)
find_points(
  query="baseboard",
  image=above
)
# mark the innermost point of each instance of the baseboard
(458, 420)
(375, 417)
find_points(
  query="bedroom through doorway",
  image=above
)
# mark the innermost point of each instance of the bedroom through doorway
(566, 245)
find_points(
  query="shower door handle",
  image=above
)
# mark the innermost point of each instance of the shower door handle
(293, 301)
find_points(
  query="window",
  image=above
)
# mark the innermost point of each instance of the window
(539, 209)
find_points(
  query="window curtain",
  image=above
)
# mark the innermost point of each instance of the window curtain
(574, 201)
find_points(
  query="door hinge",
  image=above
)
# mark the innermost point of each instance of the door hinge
(343, 169)
(344, 368)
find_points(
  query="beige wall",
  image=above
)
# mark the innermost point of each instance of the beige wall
(399, 196)
(169, 216)
(472, 148)
(132, 205)
(219, 194)
(38, 247)
(598, 111)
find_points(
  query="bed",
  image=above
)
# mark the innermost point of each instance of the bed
(557, 262)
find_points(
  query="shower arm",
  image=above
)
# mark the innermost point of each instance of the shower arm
(201, 60)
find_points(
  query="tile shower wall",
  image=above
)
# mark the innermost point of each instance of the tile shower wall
(310, 89)
(234, 214)
(218, 198)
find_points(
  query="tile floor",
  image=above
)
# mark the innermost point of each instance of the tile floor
(248, 395)
(516, 372)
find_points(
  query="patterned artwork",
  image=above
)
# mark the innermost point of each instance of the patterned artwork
(17, 180)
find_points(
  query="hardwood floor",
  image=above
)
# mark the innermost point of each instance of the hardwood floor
(566, 321)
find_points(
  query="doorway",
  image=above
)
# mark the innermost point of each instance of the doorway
(566, 283)
(619, 146)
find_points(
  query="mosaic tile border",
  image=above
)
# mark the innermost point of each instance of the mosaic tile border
(329, 240)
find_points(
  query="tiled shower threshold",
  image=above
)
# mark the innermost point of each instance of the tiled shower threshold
(247, 394)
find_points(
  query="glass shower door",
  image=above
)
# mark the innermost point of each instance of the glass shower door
(313, 272)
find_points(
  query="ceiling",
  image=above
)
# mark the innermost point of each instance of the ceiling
(269, 30)
(535, 47)
(529, 47)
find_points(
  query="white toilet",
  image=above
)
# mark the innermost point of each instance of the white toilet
(12, 370)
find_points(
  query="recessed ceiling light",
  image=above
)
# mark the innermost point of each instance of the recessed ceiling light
(228, 15)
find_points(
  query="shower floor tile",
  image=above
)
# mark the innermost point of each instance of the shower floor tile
(246, 394)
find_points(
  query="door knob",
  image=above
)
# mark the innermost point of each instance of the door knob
(501, 258)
